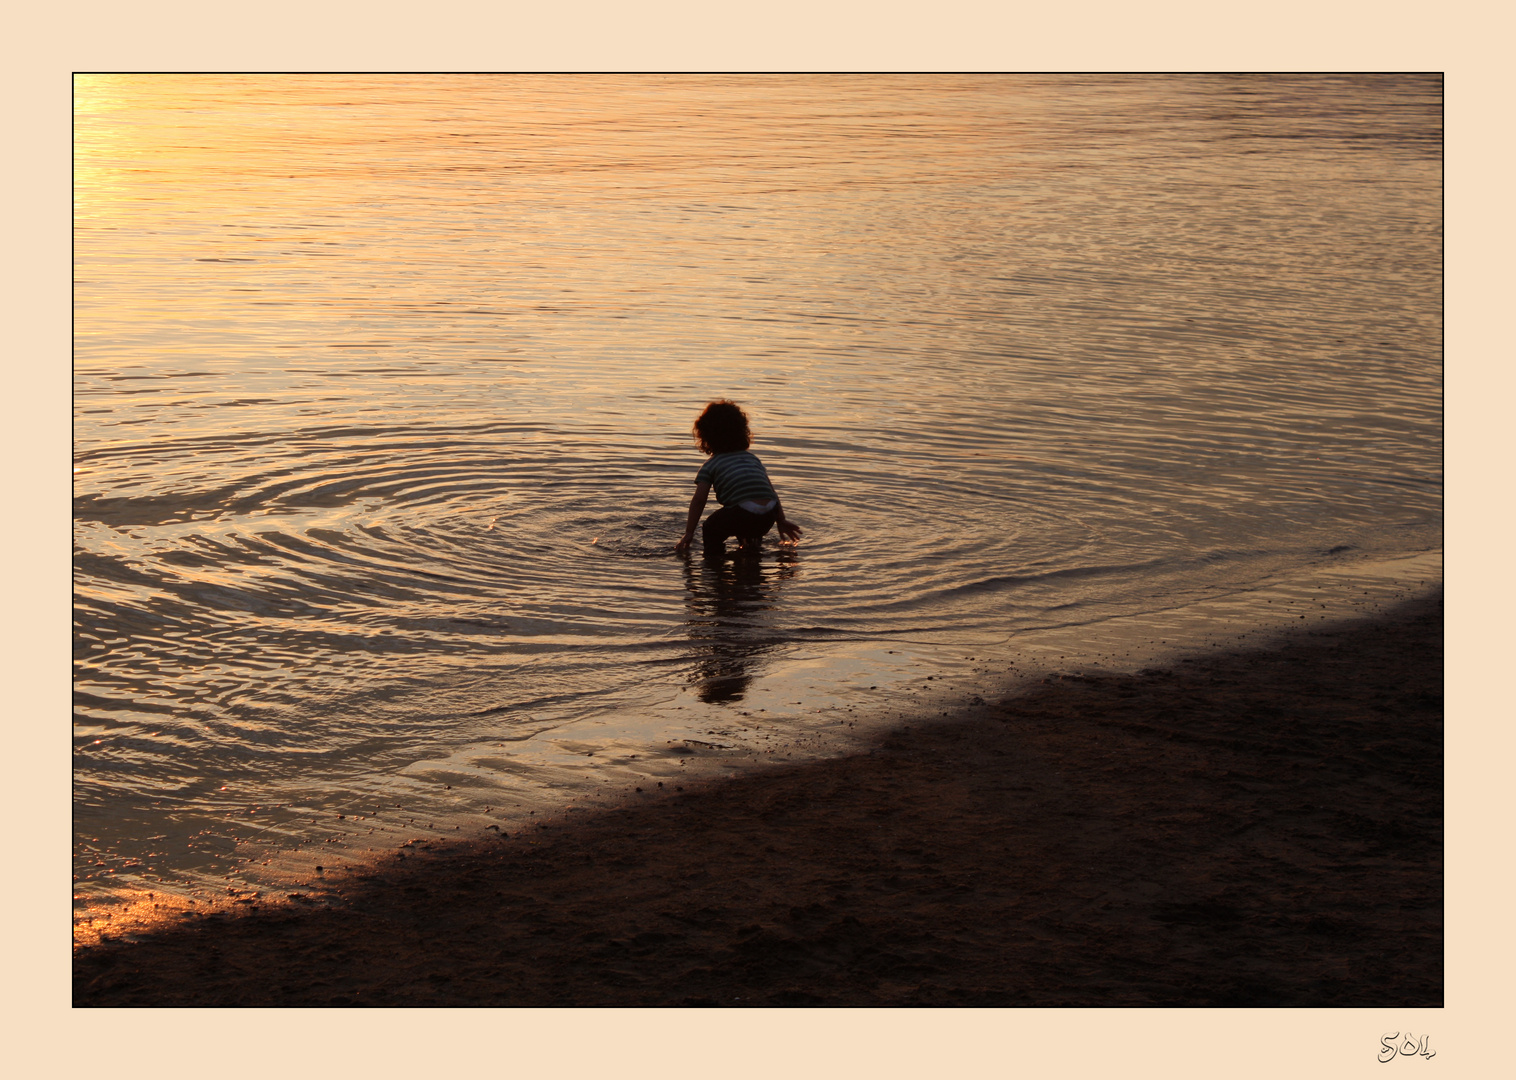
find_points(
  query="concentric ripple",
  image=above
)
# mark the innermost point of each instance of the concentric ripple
(384, 385)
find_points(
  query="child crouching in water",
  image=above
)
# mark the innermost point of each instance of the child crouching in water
(749, 504)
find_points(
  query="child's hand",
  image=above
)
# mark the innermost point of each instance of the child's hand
(684, 544)
(790, 531)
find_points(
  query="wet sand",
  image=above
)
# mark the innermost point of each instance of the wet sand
(1260, 828)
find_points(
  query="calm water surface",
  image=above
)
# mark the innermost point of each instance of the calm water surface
(383, 390)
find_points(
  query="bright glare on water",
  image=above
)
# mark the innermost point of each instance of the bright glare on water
(384, 387)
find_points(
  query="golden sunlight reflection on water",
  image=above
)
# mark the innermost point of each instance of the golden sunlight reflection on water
(384, 384)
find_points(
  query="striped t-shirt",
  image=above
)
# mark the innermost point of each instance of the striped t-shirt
(738, 476)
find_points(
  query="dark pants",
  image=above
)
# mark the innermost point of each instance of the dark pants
(735, 521)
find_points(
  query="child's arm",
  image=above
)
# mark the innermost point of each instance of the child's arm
(787, 528)
(697, 506)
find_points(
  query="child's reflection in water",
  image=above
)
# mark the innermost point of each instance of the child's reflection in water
(730, 626)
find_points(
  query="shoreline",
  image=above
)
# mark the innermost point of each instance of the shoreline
(805, 704)
(1251, 828)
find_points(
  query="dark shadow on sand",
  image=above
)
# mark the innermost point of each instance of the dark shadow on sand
(1246, 829)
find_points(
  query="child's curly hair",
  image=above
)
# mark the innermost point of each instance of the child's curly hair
(722, 428)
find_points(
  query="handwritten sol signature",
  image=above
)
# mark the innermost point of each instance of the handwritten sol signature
(1392, 1046)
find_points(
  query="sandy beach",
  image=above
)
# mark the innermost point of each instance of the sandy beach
(1252, 829)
